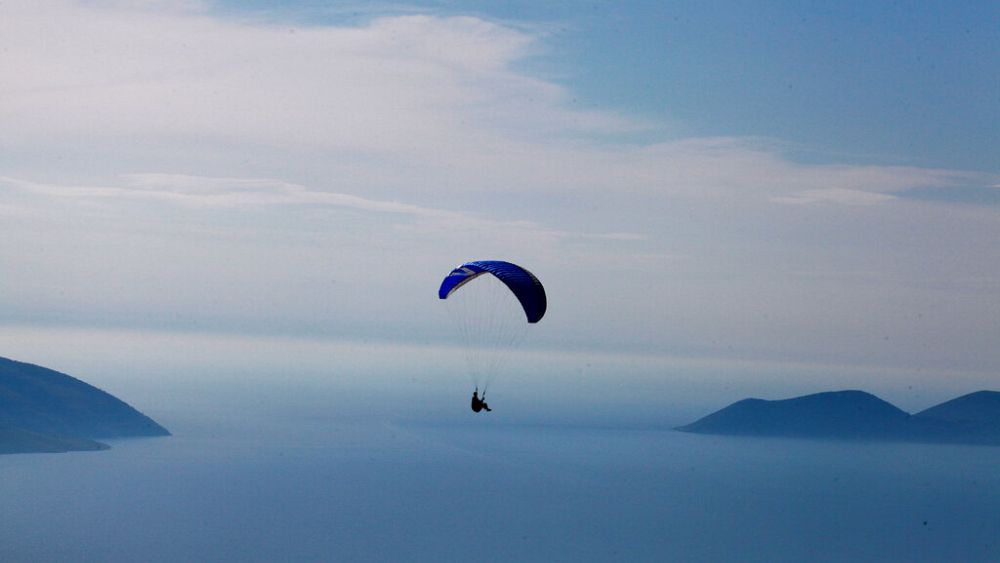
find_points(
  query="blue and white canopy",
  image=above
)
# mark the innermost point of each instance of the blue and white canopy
(521, 282)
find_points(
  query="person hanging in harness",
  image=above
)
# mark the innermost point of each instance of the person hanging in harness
(479, 404)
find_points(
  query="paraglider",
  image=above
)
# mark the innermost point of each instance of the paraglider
(491, 314)
(479, 404)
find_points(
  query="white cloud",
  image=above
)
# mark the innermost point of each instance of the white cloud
(166, 163)
(403, 107)
(213, 193)
(835, 195)
(415, 83)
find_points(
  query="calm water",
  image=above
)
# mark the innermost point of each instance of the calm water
(380, 460)
(254, 487)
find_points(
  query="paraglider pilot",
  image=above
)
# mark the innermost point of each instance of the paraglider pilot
(479, 404)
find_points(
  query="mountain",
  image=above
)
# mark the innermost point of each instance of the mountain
(857, 415)
(974, 417)
(46, 410)
(981, 407)
(837, 414)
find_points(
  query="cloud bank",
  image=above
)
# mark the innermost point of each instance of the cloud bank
(168, 166)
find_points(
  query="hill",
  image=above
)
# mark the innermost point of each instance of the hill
(857, 415)
(838, 414)
(16, 440)
(981, 407)
(45, 410)
(972, 418)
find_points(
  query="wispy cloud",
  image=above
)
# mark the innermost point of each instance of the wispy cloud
(220, 193)
(402, 108)
(414, 83)
(835, 195)
(288, 155)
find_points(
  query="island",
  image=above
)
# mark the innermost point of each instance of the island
(15, 440)
(858, 415)
(43, 410)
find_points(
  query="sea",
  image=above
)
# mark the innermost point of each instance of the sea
(292, 449)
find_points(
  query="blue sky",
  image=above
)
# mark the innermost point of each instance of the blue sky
(771, 182)
(885, 82)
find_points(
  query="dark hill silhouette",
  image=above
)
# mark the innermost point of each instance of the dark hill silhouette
(44, 402)
(857, 415)
(980, 407)
(16, 440)
(976, 417)
(836, 414)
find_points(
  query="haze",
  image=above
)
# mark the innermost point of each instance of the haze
(235, 216)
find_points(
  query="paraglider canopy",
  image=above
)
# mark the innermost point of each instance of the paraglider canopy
(522, 283)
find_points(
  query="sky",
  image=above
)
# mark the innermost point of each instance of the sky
(765, 182)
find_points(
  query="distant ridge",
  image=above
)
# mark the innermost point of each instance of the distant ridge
(975, 417)
(981, 407)
(857, 415)
(44, 410)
